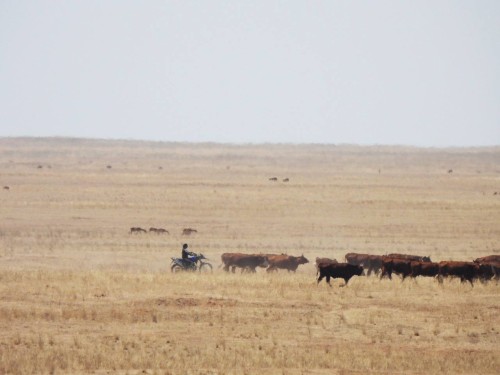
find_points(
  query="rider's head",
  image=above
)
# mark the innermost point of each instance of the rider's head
(185, 246)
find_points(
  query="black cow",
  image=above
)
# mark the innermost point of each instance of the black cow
(393, 265)
(338, 271)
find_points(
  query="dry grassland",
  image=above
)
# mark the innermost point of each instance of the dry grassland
(80, 294)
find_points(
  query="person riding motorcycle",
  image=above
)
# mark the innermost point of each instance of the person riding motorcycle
(188, 256)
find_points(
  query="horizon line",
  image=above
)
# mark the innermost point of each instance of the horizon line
(224, 143)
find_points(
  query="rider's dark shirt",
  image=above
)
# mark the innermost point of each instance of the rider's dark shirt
(185, 254)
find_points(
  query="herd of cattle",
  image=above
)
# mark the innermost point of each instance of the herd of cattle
(404, 265)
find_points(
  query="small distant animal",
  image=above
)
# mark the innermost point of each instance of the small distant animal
(109, 166)
(158, 230)
(40, 167)
(286, 179)
(137, 230)
(6, 187)
(450, 170)
(273, 179)
(188, 231)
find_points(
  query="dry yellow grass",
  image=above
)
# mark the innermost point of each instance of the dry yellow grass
(79, 294)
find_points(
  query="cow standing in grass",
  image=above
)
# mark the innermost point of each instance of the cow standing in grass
(247, 262)
(286, 262)
(417, 258)
(401, 267)
(370, 263)
(466, 271)
(426, 269)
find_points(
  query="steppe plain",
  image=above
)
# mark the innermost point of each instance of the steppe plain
(79, 294)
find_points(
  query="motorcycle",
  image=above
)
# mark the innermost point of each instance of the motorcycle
(198, 263)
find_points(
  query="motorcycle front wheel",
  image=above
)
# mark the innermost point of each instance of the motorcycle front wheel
(205, 268)
(176, 268)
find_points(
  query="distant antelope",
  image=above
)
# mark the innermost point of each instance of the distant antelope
(188, 231)
(137, 230)
(6, 187)
(158, 230)
(273, 179)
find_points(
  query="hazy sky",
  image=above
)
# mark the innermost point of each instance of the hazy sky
(423, 73)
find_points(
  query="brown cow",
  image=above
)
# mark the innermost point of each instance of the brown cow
(394, 265)
(244, 261)
(488, 259)
(325, 260)
(495, 267)
(137, 230)
(286, 262)
(467, 271)
(427, 269)
(370, 263)
(338, 271)
(417, 258)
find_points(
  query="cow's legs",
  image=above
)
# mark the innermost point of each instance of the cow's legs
(328, 280)
(465, 278)
(319, 279)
